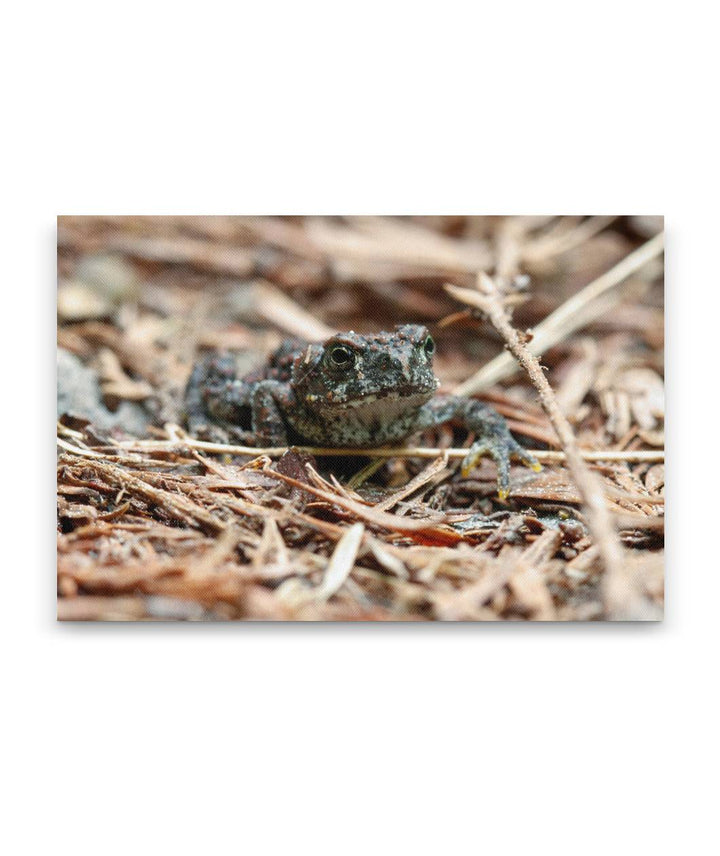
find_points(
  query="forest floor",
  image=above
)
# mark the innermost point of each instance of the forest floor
(154, 524)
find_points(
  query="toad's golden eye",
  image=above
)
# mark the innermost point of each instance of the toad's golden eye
(342, 357)
(429, 346)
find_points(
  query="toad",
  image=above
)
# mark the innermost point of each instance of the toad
(354, 391)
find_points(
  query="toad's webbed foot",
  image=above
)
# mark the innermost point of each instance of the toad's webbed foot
(493, 436)
(500, 448)
(494, 439)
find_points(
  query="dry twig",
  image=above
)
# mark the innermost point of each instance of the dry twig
(490, 301)
(559, 324)
(181, 442)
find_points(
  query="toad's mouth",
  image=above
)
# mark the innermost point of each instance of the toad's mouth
(406, 397)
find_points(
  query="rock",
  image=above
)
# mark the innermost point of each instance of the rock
(79, 396)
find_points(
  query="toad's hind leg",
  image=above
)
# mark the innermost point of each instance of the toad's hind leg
(217, 402)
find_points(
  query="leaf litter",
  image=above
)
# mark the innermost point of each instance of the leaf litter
(153, 525)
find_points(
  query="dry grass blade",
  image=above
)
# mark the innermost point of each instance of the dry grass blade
(341, 562)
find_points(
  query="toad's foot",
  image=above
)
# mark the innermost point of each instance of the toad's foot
(500, 446)
(491, 430)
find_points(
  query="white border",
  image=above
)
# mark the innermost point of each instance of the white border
(512, 739)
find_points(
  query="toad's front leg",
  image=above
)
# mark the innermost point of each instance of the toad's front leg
(217, 405)
(492, 435)
(269, 399)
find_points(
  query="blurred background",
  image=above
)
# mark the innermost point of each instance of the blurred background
(140, 296)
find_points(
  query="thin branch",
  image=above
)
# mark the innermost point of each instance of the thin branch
(489, 300)
(564, 320)
(180, 444)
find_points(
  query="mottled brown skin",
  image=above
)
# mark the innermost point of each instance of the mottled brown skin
(352, 391)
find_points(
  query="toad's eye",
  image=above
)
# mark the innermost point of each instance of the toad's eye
(341, 357)
(429, 346)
